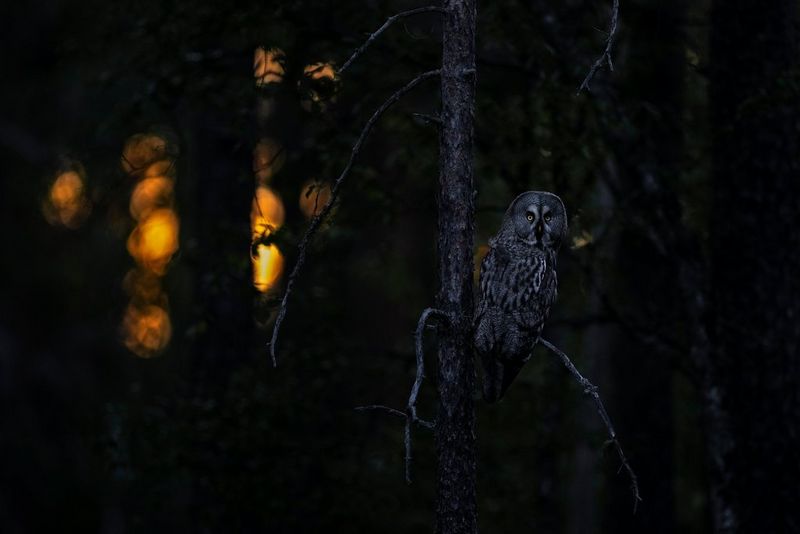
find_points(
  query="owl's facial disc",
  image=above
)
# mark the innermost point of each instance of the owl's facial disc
(539, 219)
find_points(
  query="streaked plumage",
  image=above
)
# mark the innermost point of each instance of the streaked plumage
(517, 287)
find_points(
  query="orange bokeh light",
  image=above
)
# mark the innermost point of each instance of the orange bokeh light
(150, 159)
(314, 196)
(267, 266)
(66, 202)
(153, 242)
(319, 86)
(141, 150)
(144, 287)
(318, 71)
(160, 169)
(269, 66)
(146, 329)
(150, 194)
(267, 213)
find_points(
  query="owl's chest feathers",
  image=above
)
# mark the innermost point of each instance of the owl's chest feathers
(528, 274)
(534, 280)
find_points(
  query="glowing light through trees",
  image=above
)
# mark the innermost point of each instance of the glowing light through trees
(269, 66)
(313, 197)
(318, 86)
(67, 203)
(146, 326)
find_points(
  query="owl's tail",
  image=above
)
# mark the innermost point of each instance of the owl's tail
(498, 374)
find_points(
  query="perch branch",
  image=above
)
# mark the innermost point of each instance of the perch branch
(605, 57)
(410, 414)
(391, 20)
(320, 217)
(591, 390)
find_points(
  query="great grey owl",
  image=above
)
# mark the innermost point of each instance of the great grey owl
(517, 287)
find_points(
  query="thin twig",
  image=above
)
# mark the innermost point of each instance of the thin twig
(411, 406)
(381, 407)
(430, 119)
(391, 20)
(591, 390)
(320, 217)
(605, 57)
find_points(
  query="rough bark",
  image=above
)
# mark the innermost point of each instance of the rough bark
(456, 509)
(755, 246)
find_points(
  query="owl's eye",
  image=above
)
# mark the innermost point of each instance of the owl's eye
(530, 217)
(547, 217)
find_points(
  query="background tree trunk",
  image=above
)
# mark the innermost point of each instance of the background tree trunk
(755, 246)
(651, 96)
(456, 508)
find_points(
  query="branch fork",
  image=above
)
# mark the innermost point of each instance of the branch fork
(605, 57)
(410, 415)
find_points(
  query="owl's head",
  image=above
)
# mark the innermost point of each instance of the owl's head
(539, 219)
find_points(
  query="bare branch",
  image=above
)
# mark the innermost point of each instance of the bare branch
(381, 407)
(391, 20)
(320, 217)
(411, 407)
(419, 334)
(591, 390)
(429, 119)
(605, 57)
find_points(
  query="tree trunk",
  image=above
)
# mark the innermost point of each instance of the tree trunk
(456, 508)
(755, 245)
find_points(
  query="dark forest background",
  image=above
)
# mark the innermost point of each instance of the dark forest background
(679, 291)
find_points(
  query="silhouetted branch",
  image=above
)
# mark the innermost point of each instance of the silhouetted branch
(391, 20)
(591, 390)
(381, 407)
(429, 119)
(605, 57)
(320, 217)
(410, 414)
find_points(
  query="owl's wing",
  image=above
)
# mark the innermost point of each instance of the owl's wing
(508, 283)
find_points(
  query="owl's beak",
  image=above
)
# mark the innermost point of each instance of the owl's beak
(539, 230)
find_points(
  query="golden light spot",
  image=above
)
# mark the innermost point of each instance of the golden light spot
(267, 266)
(269, 66)
(582, 240)
(268, 159)
(318, 71)
(153, 242)
(141, 150)
(150, 194)
(146, 329)
(67, 203)
(144, 286)
(314, 196)
(160, 169)
(267, 214)
(150, 159)
(319, 85)
(67, 189)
